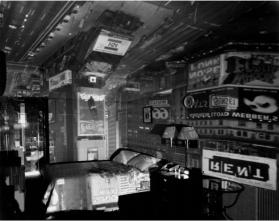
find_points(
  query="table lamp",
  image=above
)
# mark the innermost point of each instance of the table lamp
(169, 133)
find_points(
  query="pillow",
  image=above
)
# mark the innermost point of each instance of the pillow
(124, 156)
(143, 162)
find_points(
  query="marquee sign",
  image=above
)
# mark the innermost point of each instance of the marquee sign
(251, 170)
(233, 102)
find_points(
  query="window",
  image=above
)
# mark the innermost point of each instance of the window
(238, 133)
(220, 122)
(259, 125)
(270, 127)
(220, 132)
(267, 137)
(242, 123)
(245, 134)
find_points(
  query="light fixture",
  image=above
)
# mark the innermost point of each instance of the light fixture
(262, 32)
(31, 53)
(164, 92)
(169, 133)
(58, 27)
(67, 18)
(187, 133)
(8, 48)
(12, 27)
(51, 35)
(75, 10)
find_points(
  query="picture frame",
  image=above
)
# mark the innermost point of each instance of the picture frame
(147, 114)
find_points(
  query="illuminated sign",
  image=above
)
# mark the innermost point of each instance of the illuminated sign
(253, 68)
(159, 103)
(111, 43)
(204, 73)
(92, 79)
(250, 170)
(223, 101)
(233, 102)
(160, 113)
(60, 80)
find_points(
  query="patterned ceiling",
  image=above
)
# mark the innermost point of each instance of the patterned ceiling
(32, 31)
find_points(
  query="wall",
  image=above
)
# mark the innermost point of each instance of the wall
(167, 108)
(260, 69)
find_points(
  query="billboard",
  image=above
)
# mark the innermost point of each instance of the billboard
(250, 68)
(240, 68)
(233, 102)
(251, 170)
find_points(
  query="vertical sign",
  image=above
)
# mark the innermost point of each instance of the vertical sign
(147, 115)
(90, 114)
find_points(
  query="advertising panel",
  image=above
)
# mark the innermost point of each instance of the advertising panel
(204, 73)
(159, 103)
(251, 170)
(147, 115)
(112, 43)
(240, 68)
(233, 102)
(160, 108)
(250, 68)
(104, 189)
(60, 80)
(133, 182)
(90, 114)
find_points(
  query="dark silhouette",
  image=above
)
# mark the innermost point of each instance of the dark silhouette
(9, 208)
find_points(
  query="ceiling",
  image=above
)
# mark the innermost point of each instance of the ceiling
(32, 31)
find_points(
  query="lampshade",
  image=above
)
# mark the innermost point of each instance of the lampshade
(187, 133)
(169, 132)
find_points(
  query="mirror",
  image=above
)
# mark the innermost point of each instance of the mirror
(3, 73)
